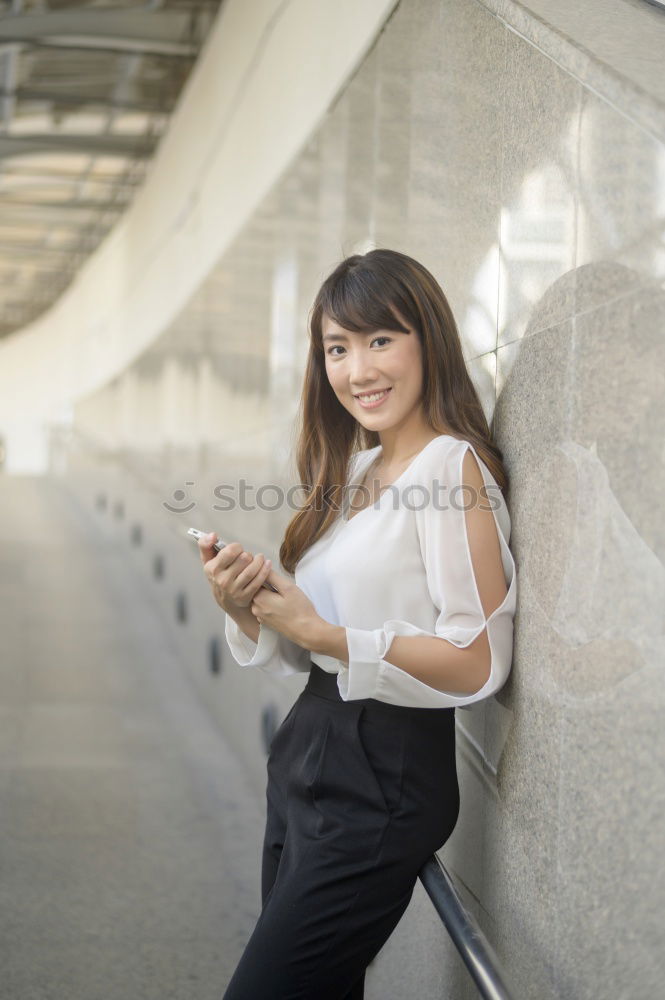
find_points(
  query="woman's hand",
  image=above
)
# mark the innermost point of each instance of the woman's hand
(233, 574)
(289, 611)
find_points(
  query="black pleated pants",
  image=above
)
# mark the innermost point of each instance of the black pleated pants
(359, 795)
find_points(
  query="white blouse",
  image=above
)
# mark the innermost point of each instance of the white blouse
(401, 566)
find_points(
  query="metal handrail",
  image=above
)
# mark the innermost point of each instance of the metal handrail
(475, 950)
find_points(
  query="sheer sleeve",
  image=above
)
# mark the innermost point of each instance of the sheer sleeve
(444, 544)
(274, 653)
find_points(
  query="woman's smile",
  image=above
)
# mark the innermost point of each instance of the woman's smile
(371, 403)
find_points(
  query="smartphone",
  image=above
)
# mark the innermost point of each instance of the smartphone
(219, 544)
(201, 534)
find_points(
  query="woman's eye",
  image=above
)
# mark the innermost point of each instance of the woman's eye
(387, 339)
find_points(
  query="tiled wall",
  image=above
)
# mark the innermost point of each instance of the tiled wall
(539, 208)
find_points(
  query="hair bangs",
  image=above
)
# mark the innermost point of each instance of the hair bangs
(361, 303)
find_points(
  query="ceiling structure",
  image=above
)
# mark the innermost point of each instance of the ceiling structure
(86, 91)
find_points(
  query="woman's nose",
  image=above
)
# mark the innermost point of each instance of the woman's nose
(362, 371)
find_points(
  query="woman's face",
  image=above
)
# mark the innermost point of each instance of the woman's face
(367, 362)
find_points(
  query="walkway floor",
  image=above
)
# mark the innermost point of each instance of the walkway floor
(129, 842)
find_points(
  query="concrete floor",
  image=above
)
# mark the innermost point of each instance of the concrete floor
(129, 841)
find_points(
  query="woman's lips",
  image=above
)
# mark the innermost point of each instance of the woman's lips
(376, 402)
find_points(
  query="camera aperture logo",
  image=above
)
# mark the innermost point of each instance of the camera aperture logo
(179, 496)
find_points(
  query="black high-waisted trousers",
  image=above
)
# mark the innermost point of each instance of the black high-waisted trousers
(359, 795)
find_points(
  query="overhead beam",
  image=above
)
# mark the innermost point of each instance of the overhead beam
(38, 264)
(75, 227)
(82, 100)
(9, 204)
(102, 45)
(168, 32)
(125, 146)
(45, 175)
(32, 251)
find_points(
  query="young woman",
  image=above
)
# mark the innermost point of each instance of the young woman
(401, 609)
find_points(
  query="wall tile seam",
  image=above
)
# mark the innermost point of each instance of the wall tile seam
(648, 285)
(559, 880)
(469, 749)
(637, 293)
(478, 751)
(621, 93)
(577, 196)
(485, 354)
(569, 385)
(501, 169)
(501, 166)
(533, 332)
(461, 883)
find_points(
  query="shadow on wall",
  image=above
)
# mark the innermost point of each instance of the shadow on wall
(586, 426)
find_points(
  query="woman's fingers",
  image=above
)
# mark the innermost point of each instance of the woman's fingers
(206, 547)
(222, 559)
(250, 580)
(234, 574)
(251, 567)
(245, 563)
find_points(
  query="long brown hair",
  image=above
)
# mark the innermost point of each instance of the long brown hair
(361, 295)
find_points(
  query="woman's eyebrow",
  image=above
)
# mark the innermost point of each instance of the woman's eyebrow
(342, 336)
